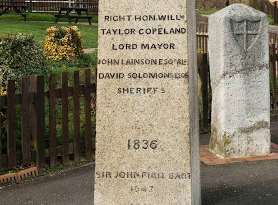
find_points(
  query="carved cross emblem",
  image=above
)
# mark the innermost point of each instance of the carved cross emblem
(246, 32)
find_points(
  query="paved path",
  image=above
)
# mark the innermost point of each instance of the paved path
(69, 188)
(253, 183)
(238, 184)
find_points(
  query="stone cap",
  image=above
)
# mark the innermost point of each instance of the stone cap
(239, 12)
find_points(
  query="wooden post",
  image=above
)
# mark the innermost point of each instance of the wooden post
(11, 141)
(25, 121)
(76, 116)
(1, 146)
(202, 38)
(205, 96)
(275, 13)
(52, 120)
(93, 108)
(40, 121)
(33, 115)
(2, 130)
(88, 120)
(65, 128)
(274, 82)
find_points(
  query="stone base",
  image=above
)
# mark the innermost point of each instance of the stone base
(248, 141)
(211, 159)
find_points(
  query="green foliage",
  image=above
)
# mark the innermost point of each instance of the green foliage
(270, 20)
(62, 43)
(36, 28)
(84, 61)
(19, 57)
(207, 11)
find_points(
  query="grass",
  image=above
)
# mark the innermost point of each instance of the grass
(37, 25)
(85, 61)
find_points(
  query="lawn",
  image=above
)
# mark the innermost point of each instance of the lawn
(37, 25)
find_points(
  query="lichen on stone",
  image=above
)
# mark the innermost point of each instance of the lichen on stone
(258, 125)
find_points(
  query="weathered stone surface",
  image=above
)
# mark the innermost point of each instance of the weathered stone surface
(147, 132)
(239, 61)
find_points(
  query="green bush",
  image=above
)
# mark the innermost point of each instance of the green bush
(19, 57)
(86, 60)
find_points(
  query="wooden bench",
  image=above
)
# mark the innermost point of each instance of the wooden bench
(89, 18)
(63, 13)
(17, 8)
(82, 13)
(73, 13)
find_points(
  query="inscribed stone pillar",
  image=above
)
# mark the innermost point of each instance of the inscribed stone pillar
(147, 132)
(239, 64)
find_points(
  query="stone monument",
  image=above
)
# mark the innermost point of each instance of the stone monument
(239, 64)
(147, 125)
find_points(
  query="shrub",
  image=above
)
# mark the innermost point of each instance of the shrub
(19, 57)
(86, 60)
(62, 43)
